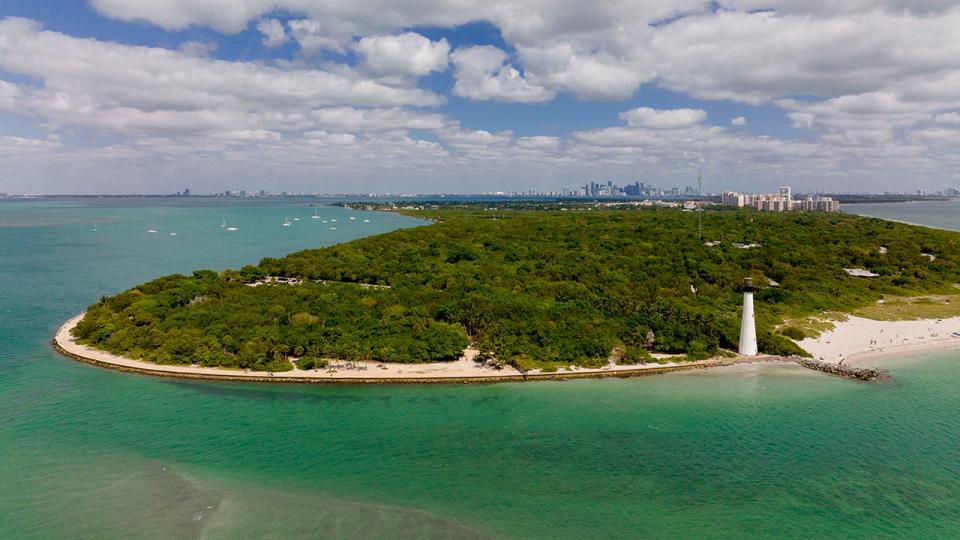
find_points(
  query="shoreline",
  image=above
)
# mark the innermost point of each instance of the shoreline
(462, 371)
(851, 342)
(857, 339)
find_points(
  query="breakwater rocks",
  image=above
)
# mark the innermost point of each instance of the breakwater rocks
(850, 372)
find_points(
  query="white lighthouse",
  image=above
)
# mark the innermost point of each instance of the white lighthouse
(748, 327)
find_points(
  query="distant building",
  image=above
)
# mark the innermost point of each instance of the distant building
(782, 201)
(785, 194)
(819, 204)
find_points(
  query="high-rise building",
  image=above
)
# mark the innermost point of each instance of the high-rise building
(785, 193)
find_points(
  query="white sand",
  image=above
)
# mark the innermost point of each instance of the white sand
(463, 368)
(858, 339)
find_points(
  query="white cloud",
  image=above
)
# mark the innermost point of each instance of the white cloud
(18, 146)
(881, 100)
(139, 89)
(482, 73)
(9, 95)
(539, 142)
(755, 57)
(663, 119)
(197, 48)
(273, 32)
(750, 50)
(469, 138)
(313, 36)
(408, 54)
(337, 139)
(738, 121)
(354, 119)
(944, 118)
(248, 136)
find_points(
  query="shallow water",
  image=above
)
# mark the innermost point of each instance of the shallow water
(762, 450)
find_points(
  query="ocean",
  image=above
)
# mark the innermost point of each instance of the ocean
(749, 451)
(939, 214)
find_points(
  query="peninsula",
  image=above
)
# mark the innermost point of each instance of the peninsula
(487, 292)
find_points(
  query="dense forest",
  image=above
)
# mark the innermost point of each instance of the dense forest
(529, 286)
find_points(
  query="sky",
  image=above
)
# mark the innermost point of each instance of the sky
(471, 96)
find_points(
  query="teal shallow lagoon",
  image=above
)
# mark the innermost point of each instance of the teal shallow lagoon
(752, 450)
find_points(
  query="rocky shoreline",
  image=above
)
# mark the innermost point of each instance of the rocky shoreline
(850, 372)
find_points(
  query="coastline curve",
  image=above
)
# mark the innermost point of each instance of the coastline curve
(64, 343)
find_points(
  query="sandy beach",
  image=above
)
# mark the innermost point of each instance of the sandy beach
(857, 339)
(461, 370)
(854, 340)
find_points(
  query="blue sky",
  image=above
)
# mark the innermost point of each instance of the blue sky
(377, 96)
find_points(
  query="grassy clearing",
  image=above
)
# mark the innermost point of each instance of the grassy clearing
(811, 326)
(903, 308)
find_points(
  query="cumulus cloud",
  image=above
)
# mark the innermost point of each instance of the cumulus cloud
(539, 142)
(313, 36)
(754, 57)
(663, 119)
(9, 94)
(944, 118)
(356, 119)
(408, 54)
(197, 48)
(887, 93)
(482, 73)
(749, 50)
(139, 89)
(18, 146)
(273, 32)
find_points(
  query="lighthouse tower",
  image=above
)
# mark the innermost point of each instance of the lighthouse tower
(748, 327)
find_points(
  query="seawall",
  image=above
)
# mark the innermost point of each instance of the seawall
(850, 372)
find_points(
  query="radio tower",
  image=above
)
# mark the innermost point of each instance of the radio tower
(699, 203)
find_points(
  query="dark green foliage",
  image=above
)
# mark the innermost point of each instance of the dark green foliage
(635, 355)
(533, 287)
(793, 332)
(779, 345)
(312, 362)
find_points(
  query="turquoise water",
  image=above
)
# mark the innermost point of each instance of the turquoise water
(759, 451)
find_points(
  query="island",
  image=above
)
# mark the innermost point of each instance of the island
(488, 291)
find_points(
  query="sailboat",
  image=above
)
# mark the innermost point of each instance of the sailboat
(286, 222)
(94, 226)
(233, 229)
(172, 232)
(296, 219)
(351, 217)
(366, 221)
(152, 230)
(224, 224)
(315, 214)
(227, 227)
